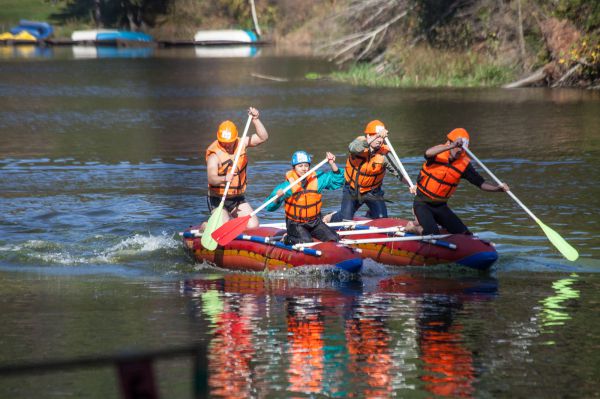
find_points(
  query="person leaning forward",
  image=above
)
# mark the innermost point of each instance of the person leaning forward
(367, 163)
(303, 202)
(445, 165)
(219, 166)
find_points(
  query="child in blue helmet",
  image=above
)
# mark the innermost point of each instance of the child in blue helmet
(303, 202)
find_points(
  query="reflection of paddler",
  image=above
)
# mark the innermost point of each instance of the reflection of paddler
(231, 351)
(305, 332)
(448, 364)
(368, 345)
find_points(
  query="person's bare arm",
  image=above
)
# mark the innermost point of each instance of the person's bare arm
(261, 134)
(494, 187)
(212, 171)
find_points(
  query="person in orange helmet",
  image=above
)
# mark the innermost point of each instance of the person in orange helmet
(445, 165)
(367, 164)
(219, 161)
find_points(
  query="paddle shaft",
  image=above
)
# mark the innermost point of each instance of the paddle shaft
(333, 224)
(289, 186)
(393, 239)
(489, 172)
(395, 156)
(238, 152)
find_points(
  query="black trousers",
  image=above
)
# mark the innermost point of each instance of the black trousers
(230, 202)
(350, 204)
(430, 215)
(304, 232)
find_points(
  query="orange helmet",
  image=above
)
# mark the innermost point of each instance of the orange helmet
(227, 132)
(374, 127)
(458, 132)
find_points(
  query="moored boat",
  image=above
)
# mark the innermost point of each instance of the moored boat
(259, 250)
(109, 36)
(225, 36)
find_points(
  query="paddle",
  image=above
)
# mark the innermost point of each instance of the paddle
(230, 230)
(215, 219)
(564, 247)
(402, 170)
(393, 239)
(346, 241)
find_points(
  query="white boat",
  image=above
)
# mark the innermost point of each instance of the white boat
(89, 35)
(225, 36)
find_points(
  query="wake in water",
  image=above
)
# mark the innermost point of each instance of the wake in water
(155, 253)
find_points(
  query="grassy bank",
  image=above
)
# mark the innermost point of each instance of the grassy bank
(11, 11)
(429, 68)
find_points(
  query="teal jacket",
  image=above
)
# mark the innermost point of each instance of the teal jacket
(325, 181)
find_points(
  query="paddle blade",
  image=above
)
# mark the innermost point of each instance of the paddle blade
(233, 228)
(564, 247)
(213, 223)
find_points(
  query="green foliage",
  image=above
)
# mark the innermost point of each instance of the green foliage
(436, 19)
(240, 11)
(431, 69)
(128, 14)
(11, 11)
(312, 76)
(584, 13)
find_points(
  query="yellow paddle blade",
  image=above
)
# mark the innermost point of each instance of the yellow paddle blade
(564, 247)
(214, 222)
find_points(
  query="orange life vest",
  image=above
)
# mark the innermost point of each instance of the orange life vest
(238, 184)
(366, 171)
(304, 204)
(439, 179)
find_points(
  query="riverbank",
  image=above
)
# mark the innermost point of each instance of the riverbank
(407, 43)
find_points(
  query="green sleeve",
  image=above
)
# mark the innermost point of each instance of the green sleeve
(330, 180)
(358, 146)
(273, 206)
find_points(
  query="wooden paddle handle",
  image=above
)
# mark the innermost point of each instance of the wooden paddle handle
(289, 186)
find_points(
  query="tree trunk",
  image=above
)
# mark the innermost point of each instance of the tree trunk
(521, 36)
(97, 14)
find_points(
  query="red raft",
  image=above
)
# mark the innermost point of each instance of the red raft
(466, 250)
(258, 250)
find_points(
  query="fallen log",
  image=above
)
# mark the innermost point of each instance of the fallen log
(535, 77)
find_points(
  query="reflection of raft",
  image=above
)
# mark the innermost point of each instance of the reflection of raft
(466, 250)
(255, 252)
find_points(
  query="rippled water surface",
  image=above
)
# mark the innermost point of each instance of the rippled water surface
(102, 164)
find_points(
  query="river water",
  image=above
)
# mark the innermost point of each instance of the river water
(102, 164)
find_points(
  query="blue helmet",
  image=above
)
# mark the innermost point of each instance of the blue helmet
(300, 157)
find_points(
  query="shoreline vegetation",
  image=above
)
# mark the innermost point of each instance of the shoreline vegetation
(391, 43)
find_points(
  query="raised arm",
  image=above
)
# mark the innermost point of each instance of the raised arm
(261, 134)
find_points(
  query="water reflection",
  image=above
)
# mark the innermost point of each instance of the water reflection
(83, 52)
(25, 51)
(554, 312)
(226, 51)
(369, 338)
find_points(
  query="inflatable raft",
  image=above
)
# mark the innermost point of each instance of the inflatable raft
(465, 250)
(462, 249)
(261, 249)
